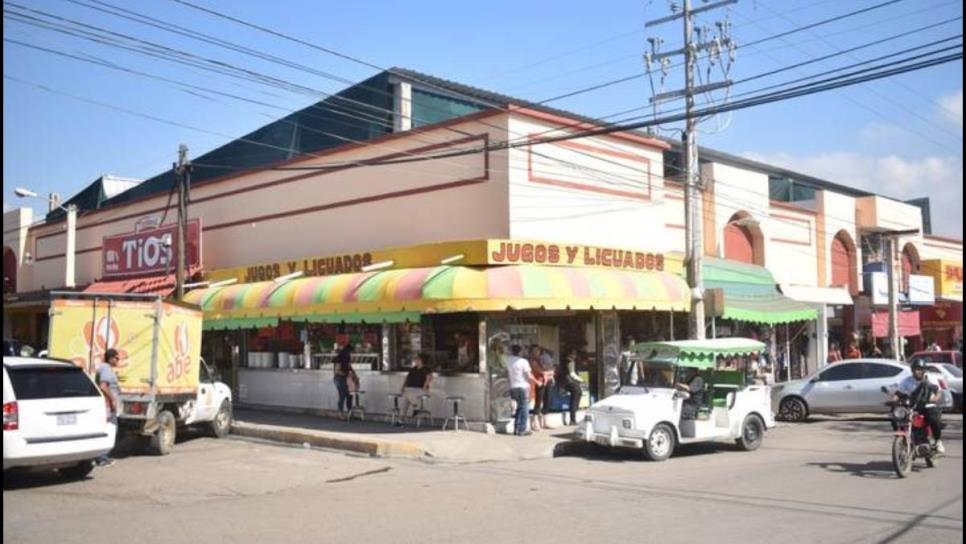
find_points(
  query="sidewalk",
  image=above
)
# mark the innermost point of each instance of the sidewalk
(379, 439)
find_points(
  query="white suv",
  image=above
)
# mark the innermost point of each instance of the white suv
(54, 417)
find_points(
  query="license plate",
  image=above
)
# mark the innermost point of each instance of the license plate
(603, 440)
(66, 419)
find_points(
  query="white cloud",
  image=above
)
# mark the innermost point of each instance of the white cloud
(938, 177)
(881, 134)
(952, 107)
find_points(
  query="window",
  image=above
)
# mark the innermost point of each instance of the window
(954, 370)
(50, 382)
(783, 189)
(429, 108)
(873, 370)
(842, 371)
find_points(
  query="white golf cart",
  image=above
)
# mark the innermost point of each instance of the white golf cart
(651, 413)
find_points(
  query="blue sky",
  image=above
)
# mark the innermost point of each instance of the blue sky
(900, 136)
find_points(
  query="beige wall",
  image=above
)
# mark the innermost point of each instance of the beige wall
(454, 198)
(879, 213)
(600, 191)
(840, 212)
(15, 224)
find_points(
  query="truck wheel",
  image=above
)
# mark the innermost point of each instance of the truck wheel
(162, 441)
(660, 444)
(78, 471)
(752, 433)
(221, 425)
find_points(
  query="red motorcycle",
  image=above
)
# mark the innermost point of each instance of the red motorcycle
(913, 437)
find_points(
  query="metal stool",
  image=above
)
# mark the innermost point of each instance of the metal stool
(394, 414)
(356, 406)
(420, 413)
(456, 417)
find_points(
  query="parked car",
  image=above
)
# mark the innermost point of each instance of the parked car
(846, 387)
(54, 417)
(954, 358)
(16, 348)
(953, 377)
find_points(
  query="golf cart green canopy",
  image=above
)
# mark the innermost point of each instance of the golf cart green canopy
(698, 353)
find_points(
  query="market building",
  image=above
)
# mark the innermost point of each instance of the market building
(412, 214)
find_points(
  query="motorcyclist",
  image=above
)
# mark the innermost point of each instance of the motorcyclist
(923, 391)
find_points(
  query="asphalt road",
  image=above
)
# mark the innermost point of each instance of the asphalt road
(825, 481)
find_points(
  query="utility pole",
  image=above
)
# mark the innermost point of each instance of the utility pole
(693, 234)
(182, 178)
(891, 238)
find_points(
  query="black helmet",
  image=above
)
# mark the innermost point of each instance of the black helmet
(918, 364)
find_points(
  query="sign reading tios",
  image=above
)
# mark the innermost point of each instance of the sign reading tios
(465, 253)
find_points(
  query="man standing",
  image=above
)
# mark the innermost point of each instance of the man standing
(107, 382)
(417, 384)
(520, 376)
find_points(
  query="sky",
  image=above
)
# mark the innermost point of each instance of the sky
(66, 121)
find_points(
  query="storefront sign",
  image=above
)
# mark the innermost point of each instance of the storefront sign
(149, 251)
(879, 288)
(907, 323)
(510, 252)
(921, 290)
(942, 315)
(462, 253)
(947, 277)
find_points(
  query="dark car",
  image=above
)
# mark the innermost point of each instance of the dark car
(16, 348)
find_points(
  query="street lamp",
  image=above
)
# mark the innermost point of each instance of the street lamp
(71, 245)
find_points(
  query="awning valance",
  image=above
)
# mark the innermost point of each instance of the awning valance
(749, 294)
(393, 295)
(835, 296)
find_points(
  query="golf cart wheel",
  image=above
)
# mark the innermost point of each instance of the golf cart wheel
(162, 441)
(793, 409)
(752, 433)
(660, 444)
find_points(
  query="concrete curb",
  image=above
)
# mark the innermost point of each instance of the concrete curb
(291, 435)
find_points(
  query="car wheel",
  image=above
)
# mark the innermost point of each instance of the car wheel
(752, 433)
(78, 471)
(162, 441)
(221, 425)
(793, 409)
(660, 444)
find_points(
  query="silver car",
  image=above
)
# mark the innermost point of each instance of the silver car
(851, 386)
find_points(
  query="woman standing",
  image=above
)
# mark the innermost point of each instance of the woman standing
(570, 382)
(343, 371)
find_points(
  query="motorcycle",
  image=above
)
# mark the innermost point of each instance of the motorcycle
(913, 437)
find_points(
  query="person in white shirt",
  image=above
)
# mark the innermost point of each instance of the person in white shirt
(925, 391)
(518, 372)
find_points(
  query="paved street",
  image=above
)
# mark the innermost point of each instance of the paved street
(825, 481)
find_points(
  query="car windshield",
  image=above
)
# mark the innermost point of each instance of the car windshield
(643, 374)
(50, 382)
(954, 370)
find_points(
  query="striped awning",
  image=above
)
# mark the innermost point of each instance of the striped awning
(398, 295)
(750, 294)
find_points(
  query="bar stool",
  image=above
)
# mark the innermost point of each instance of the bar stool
(394, 414)
(356, 406)
(456, 417)
(420, 413)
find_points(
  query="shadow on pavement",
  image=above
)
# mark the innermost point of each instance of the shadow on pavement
(595, 453)
(872, 469)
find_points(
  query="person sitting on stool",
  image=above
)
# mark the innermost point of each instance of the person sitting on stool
(693, 384)
(417, 384)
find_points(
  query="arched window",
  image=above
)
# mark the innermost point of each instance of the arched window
(9, 271)
(743, 240)
(843, 262)
(910, 265)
